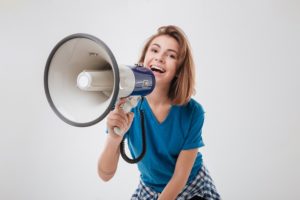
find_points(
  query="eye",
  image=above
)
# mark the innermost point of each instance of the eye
(153, 50)
(173, 56)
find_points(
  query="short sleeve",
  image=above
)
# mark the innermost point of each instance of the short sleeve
(193, 137)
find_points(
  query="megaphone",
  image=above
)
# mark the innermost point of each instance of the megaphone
(83, 81)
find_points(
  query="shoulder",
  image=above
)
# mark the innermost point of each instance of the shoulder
(194, 106)
(191, 111)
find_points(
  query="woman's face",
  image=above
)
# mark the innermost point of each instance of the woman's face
(162, 58)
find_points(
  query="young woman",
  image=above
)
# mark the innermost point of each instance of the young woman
(172, 167)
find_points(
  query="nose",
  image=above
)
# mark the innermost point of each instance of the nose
(159, 58)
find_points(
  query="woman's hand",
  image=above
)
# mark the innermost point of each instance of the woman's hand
(109, 158)
(118, 118)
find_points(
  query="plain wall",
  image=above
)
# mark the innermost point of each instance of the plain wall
(247, 57)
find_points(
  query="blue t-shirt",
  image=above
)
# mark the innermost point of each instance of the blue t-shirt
(181, 130)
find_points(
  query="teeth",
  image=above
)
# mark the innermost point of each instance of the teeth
(157, 68)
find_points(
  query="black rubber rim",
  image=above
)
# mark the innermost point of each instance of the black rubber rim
(115, 72)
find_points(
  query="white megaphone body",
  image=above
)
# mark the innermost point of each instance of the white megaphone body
(83, 81)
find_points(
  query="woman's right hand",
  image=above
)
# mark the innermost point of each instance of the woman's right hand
(118, 118)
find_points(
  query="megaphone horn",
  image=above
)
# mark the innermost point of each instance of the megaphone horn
(83, 81)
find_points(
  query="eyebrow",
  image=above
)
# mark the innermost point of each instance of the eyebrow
(167, 49)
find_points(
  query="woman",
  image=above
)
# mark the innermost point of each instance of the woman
(172, 167)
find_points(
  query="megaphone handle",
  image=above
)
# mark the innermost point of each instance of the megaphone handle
(130, 103)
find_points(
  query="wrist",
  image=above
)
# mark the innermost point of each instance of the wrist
(114, 139)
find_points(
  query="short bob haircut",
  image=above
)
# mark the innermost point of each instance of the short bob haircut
(183, 85)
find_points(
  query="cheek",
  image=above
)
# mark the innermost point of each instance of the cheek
(146, 60)
(174, 66)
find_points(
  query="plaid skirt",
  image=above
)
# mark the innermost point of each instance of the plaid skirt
(201, 186)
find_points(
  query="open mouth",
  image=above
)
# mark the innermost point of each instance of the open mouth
(158, 69)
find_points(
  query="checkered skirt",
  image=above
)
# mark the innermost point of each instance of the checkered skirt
(201, 186)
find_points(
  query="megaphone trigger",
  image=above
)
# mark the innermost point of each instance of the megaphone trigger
(130, 103)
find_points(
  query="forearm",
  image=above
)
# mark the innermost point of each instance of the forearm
(181, 174)
(173, 188)
(109, 158)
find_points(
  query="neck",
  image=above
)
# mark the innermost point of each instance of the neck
(159, 96)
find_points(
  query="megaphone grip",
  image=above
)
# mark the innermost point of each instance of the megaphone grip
(118, 131)
(130, 103)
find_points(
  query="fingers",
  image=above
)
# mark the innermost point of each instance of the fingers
(118, 115)
(117, 118)
(120, 103)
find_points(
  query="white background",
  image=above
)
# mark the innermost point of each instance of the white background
(247, 57)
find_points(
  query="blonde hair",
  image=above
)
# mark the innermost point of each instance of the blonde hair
(183, 85)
